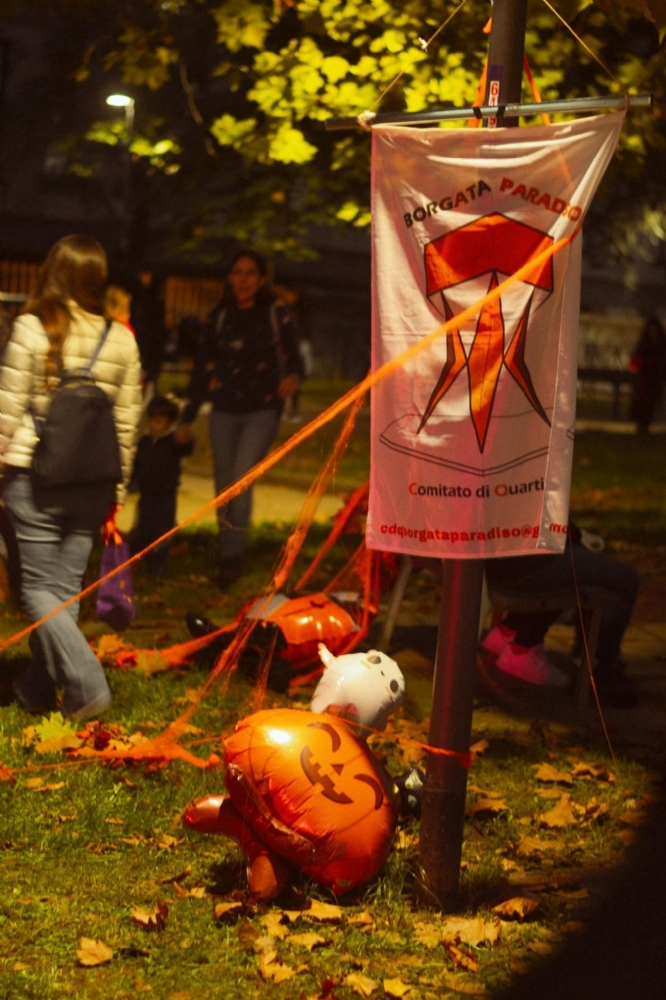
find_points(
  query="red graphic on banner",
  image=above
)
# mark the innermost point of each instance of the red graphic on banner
(492, 244)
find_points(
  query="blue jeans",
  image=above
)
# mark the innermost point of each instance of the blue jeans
(238, 441)
(55, 535)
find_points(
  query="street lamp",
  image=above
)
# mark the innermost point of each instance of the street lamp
(126, 102)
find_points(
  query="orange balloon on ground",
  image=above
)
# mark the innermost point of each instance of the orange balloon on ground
(313, 793)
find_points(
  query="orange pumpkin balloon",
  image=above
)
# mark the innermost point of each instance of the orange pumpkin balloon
(312, 776)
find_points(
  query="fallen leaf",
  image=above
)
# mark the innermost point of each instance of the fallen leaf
(197, 891)
(486, 808)
(68, 819)
(265, 945)
(360, 984)
(404, 841)
(362, 919)
(308, 940)
(223, 911)
(593, 811)
(180, 877)
(474, 930)
(248, 934)
(396, 988)
(166, 841)
(479, 748)
(151, 920)
(34, 783)
(91, 952)
(547, 793)
(115, 822)
(273, 923)
(278, 972)
(597, 771)
(559, 815)
(7, 775)
(547, 773)
(460, 985)
(53, 786)
(516, 908)
(426, 934)
(180, 892)
(326, 912)
(151, 661)
(20, 967)
(460, 958)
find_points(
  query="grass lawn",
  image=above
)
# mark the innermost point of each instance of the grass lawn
(84, 847)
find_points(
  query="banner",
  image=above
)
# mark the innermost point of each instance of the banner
(472, 440)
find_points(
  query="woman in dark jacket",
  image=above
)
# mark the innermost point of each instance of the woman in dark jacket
(247, 364)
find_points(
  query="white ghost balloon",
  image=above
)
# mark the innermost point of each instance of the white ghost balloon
(364, 687)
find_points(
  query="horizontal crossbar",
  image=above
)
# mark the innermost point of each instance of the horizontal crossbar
(576, 105)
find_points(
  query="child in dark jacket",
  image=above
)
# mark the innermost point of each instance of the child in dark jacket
(156, 477)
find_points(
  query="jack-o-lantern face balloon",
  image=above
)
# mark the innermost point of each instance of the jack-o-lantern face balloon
(314, 777)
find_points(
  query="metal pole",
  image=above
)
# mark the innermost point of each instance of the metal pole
(573, 105)
(443, 811)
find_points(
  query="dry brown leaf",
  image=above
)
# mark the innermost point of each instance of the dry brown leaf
(362, 919)
(180, 892)
(427, 934)
(461, 959)
(360, 984)
(53, 786)
(223, 911)
(197, 891)
(273, 923)
(559, 815)
(326, 912)
(479, 748)
(396, 988)
(91, 952)
(278, 972)
(115, 822)
(548, 793)
(166, 841)
(248, 934)
(265, 945)
(6, 775)
(474, 930)
(308, 940)
(516, 908)
(461, 985)
(151, 920)
(404, 841)
(180, 877)
(548, 774)
(597, 771)
(486, 808)
(34, 783)
(19, 967)
(593, 811)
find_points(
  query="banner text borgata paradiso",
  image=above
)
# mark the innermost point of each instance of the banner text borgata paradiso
(540, 199)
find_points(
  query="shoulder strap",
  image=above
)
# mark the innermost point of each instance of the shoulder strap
(100, 344)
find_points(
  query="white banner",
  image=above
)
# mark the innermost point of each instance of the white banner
(472, 439)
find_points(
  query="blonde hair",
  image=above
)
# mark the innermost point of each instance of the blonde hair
(75, 269)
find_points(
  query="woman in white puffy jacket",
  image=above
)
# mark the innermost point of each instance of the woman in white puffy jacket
(55, 528)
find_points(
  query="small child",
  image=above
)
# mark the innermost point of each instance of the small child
(156, 477)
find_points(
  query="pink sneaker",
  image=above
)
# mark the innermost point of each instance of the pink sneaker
(497, 639)
(531, 665)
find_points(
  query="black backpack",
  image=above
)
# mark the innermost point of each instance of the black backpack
(78, 442)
